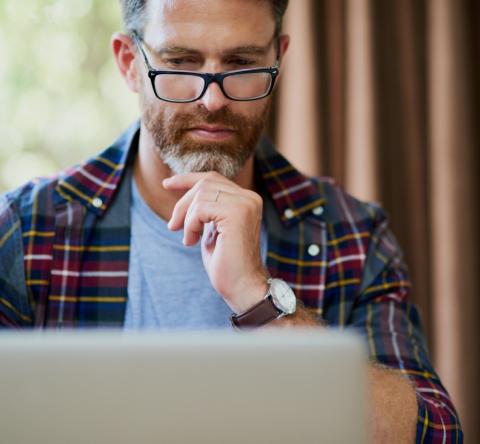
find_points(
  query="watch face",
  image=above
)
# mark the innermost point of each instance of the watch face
(282, 295)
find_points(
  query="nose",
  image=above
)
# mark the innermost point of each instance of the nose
(214, 99)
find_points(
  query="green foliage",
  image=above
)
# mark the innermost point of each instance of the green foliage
(61, 96)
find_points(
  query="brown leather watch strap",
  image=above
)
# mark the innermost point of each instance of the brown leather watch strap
(260, 314)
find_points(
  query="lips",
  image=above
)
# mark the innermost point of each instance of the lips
(213, 129)
(211, 132)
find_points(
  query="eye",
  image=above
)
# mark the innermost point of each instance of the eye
(181, 62)
(241, 62)
(177, 61)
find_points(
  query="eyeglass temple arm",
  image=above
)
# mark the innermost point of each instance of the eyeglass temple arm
(138, 42)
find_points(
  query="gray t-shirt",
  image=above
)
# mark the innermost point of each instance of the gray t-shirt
(168, 287)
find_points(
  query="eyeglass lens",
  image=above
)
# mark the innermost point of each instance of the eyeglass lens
(236, 86)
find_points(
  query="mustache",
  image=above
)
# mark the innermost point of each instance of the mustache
(223, 117)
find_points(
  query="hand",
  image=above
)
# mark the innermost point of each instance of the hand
(228, 225)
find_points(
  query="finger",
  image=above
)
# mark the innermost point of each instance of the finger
(199, 214)
(180, 210)
(195, 194)
(209, 235)
(186, 181)
(204, 190)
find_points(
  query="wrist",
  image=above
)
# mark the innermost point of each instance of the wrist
(301, 318)
(279, 301)
(251, 293)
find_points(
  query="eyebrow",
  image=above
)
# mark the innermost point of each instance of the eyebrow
(247, 49)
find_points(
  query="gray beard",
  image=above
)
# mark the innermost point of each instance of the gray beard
(209, 160)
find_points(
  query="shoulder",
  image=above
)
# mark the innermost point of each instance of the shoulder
(18, 211)
(298, 195)
(29, 198)
(97, 175)
(365, 221)
(361, 227)
(343, 208)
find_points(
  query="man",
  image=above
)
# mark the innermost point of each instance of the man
(73, 247)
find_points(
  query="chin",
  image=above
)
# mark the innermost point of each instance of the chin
(204, 162)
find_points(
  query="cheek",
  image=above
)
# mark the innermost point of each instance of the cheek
(171, 111)
(248, 110)
(144, 96)
(255, 110)
(177, 114)
(142, 80)
(164, 114)
(148, 96)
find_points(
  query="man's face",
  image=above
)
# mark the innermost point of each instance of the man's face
(213, 133)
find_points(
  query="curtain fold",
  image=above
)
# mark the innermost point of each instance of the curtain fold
(298, 126)
(361, 170)
(383, 95)
(453, 149)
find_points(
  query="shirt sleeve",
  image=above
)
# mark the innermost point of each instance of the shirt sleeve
(392, 328)
(15, 310)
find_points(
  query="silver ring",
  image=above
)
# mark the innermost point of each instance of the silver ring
(216, 196)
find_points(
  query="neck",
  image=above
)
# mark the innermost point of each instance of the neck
(150, 170)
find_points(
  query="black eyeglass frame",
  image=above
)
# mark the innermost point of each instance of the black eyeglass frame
(208, 78)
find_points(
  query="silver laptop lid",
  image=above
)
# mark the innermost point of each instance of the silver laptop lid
(218, 387)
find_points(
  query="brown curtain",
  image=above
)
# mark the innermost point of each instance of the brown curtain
(384, 96)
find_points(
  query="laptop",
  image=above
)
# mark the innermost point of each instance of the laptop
(197, 387)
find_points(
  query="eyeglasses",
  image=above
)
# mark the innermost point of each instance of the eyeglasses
(188, 86)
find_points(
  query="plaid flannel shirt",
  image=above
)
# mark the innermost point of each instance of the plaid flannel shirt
(64, 251)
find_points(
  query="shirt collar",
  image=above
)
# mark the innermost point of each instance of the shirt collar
(95, 181)
(294, 194)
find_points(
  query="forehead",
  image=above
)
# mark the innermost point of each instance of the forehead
(209, 24)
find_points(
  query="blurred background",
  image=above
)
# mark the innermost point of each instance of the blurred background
(382, 95)
(61, 97)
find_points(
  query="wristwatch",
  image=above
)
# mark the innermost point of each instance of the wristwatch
(279, 301)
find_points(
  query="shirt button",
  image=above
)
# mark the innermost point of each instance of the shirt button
(313, 250)
(97, 202)
(317, 211)
(288, 213)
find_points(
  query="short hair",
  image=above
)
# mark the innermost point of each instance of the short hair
(133, 14)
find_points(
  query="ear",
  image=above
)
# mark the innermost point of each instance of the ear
(124, 52)
(283, 42)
